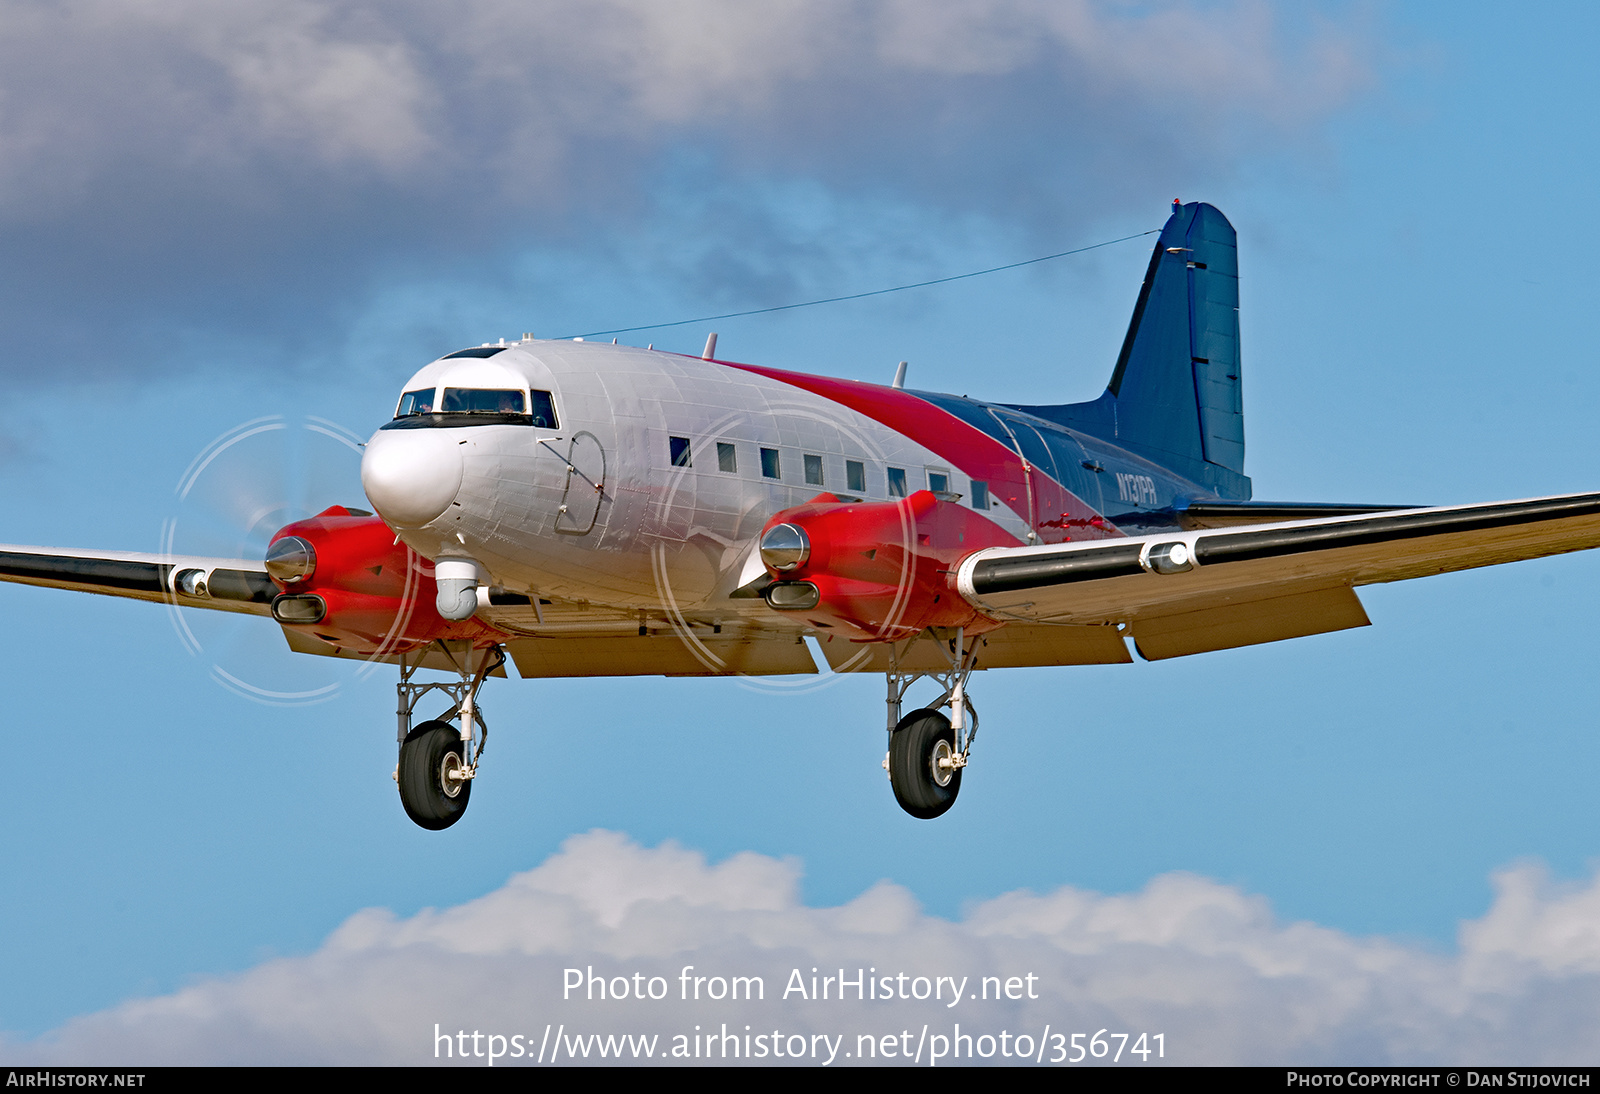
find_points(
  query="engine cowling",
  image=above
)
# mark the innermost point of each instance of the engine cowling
(348, 581)
(879, 571)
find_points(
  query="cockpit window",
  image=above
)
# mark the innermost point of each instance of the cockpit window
(475, 351)
(475, 406)
(416, 402)
(473, 400)
(543, 410)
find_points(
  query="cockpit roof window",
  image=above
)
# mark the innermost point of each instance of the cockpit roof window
(475, 351)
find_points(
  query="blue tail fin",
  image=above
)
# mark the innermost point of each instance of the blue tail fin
(1174, 396)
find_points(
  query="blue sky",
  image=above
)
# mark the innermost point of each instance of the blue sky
(214, 217)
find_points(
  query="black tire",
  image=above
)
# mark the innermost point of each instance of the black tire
(921, 788)
(430, 799)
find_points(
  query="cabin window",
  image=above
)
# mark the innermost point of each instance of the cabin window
(679, 447)
(813, 470)
(897, 482)
(727, 458)
(855, 476)
(769, 464)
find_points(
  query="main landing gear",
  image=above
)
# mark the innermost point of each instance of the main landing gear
(438, 761)
(928, 750)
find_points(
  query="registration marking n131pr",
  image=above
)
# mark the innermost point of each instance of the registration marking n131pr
(1138, 489)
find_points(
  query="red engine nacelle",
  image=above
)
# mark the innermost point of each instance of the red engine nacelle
(882, 570)
(348, 581)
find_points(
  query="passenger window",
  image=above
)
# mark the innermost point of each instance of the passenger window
(727, 458)
(769, 464)
(813, 470)
(855, 476)
(897, 482)
(680, 451)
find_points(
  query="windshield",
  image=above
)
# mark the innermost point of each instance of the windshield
(476, 406)
(416, 402)
(471, 400)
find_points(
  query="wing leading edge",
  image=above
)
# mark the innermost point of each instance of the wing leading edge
(225, 584)
(1207, 590)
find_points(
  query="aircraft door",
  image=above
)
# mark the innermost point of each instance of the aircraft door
(1011, 427)
(1077, 468)
(1035, 449)
(585, 487)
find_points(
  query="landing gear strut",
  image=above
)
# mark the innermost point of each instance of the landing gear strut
(438, 761)
(927, 750)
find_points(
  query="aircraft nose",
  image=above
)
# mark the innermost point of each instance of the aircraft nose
(411, 475)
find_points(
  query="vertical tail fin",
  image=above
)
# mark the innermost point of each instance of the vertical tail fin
(1175, 394)
(1177, 378)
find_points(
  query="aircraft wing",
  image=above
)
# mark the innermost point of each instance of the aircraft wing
(1201, 590)
(227, 584)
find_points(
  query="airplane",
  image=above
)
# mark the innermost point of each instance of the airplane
(577, 508)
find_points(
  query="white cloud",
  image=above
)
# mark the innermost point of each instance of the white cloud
(1203, 964)
(393, 85)
(253, 169)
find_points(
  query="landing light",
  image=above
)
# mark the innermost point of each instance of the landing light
(1169, 558)
(191, 583)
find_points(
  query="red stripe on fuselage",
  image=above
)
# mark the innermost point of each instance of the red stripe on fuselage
(1058, 514)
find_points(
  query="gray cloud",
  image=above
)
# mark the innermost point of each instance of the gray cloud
(1203, 964)
(183, 169)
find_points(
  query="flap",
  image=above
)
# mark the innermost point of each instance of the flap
(662, 654)
(1017, 645)
(1249, 623)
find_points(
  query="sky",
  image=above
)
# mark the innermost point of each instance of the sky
(243, 228)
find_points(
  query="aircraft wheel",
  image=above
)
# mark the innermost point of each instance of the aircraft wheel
(922, 788)
(431, 798)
